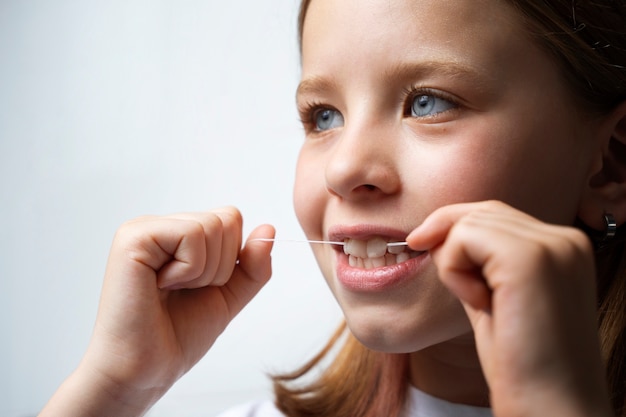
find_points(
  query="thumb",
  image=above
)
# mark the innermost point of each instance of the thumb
(253, 270)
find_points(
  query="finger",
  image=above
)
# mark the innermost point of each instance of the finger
(456, 268)
(151, 248)
(206, 237)
(476, 258)
(252, 272)
(435, 228)
(222, 234)
(232, 224)
(471, 242)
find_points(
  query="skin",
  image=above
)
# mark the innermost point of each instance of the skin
(494, 274)
(505, 139)
(170, 288)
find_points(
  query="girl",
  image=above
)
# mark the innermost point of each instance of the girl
(479, 132)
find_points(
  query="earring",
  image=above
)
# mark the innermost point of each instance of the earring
(611, 227)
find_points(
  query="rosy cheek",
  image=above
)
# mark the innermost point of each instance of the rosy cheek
(309, 196)
(300, 206)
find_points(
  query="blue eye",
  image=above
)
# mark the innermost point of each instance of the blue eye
(326, 119)
(428, 105)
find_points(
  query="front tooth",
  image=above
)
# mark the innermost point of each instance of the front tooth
(371, 263)
(378, 262)
(356, 248)
(376, 247)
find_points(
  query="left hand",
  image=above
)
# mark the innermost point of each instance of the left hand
(529, 291)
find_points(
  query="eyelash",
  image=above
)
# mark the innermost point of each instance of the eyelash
(412, 92)
(308, 110)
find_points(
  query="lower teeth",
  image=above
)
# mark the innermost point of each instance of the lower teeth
(387, 260)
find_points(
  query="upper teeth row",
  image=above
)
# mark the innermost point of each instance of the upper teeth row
(371, 248)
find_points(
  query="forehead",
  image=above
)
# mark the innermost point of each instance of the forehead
(363, 34)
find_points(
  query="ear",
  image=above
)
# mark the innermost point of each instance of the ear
(606, 189)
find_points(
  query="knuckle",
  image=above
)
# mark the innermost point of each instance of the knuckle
(128, 234)
(195, 231)
(213, 223)
(569, 248)
(580, 246)
(230, 216)
(581, 240)
(220, 281)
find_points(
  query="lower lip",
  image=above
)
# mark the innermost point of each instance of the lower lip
(378, 279)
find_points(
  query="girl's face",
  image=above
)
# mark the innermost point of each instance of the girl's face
(410, 105)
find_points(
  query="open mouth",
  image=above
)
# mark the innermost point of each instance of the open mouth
(375, 253)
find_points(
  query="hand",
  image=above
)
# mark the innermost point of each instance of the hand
(529, 291)
(171, 286)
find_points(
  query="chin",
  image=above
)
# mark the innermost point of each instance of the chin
(392, 334)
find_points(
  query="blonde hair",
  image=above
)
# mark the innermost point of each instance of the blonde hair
(359, 382)
(588, 40)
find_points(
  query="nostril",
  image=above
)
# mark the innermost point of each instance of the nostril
(365, 189)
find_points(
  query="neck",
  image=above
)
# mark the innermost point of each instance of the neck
(450, 371)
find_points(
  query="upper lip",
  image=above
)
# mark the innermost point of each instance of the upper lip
(339, 233)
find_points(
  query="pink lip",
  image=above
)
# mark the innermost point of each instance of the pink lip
(364, 231)
(375, 279)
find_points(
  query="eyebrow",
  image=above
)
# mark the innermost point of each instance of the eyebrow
(451, 69)
(400, 73)
(314, 86)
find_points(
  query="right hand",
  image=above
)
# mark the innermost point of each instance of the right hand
(172, 284)
(528, 288)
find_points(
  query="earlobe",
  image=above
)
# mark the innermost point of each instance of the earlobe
(606, 189)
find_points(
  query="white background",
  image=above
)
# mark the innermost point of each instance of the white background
(110, 110)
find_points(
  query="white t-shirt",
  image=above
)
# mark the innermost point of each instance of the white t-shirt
(419, 405)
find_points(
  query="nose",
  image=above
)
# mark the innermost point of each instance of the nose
(363, 164)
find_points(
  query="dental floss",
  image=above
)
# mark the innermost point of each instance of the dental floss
(330, 242)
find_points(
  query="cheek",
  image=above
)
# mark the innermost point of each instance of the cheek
(309, 195)
(450, 173)
(540, 169)
(537, 167)
(309, 200)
